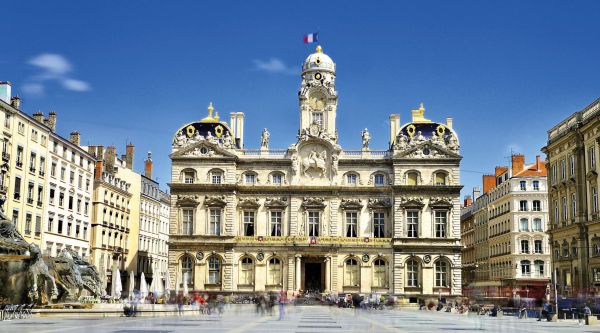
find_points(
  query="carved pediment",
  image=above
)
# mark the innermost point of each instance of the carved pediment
(313, 202)
(379, 203)
(251, 203)
(187, 200)
(351, 204)
(215, 201)
(276, 202)
(204, 148)
(412, 202)
(426, 150)
(440, 202)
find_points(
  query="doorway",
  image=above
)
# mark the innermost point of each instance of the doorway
(313, 277)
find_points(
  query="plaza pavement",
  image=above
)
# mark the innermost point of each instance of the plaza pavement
(301, 319)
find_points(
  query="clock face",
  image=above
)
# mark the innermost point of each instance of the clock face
(318, 76)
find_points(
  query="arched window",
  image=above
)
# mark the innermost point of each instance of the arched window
(188, 176)
(379, 273)
(379, 179)
(216, 176)
(539, 268)
(524, 246)
(524, 224)
(351, 178)
(525, 268)
(274, 272)
(441, 273)
(277, 178)
(440, 178)
(214, 270)
(537, 224)
(412, 178)
(250, 178)
(351, 273)
(247, 271)
(187, 270)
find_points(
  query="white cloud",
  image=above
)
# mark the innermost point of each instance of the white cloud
(275, 66)
(75, 85)
(53, 63)
(54, 67)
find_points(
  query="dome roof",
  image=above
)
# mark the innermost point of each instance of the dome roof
(318, 61)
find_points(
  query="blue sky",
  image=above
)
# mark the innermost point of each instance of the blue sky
(136, 71)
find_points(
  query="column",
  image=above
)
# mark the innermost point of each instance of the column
(328, 273)
(298, 272)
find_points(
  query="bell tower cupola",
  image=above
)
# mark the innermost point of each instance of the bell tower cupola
(317, 95)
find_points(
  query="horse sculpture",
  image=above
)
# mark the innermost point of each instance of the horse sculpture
(72, 274)
(315, 161)
(39, 277)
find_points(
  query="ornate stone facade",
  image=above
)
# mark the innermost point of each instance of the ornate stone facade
(315, 216)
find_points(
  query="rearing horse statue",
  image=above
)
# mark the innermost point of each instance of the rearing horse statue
(315, 161)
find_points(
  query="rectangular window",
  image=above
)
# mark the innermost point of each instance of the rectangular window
(42, 166)
(564, 209)
(536, 185)
(250, 178)
(188, 221)
(63, 171)
(556, 213)
(32, 159)
(537, 246)
(79, 181)
(38, 226)
(19, 157)
(351, 224)
(30, 193)
(313, 223)
(28, 224)
(572, 165)
(378, 224)
(563, 171)
(276, 221)
(277, 179)
(249, 223)
(15, 216)
(379, 179)
(537, 224)
(524, 246)
(215, 222)
(87, 184)
(524, 225)
(412, 224)
(216, 178)
(441, 219)
(50, 223)
(40, 195)
(72, 178)
(592, 158)
(70, 202)
(573, 205)
(523, 185)
(523, 205)
(78, 205)
(318, 118)
(17, 188)
(537, 206)
(7, 120)
(61, 199)
(594, 200)
(53, 170)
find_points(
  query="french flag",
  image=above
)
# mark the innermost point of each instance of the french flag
(311, 38)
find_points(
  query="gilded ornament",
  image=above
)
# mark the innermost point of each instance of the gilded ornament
(219, 131)
(410, 130)
(190, 130)
(440, 130)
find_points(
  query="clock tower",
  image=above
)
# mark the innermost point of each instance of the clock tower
(317, 96)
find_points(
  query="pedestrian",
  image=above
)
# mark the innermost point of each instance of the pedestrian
(180, 301)
(523, 312)
(282, 300)
(545, 311)
(587, 312)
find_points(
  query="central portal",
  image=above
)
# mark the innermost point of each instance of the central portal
(313, 276)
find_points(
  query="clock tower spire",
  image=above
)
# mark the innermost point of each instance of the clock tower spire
(317, 95)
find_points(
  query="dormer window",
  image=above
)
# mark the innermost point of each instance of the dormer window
(250, 178)
(351, 179)
(379, 179)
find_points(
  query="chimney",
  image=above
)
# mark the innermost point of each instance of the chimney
(232, 124)
(449, 122)
(39, 117)
(518, 163)
(500, 170)
(129, 156)
(240, 129)
(468, 201)
(148, 166)
(394, 127)
(98, 169)
(489, 182)
(476, 192)
(538, 162)
(5, 91)
(15, 102)
(99, 152)
(75, 138)
(109, 158)
(52, 121)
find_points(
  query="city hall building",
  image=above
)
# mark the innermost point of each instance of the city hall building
(315, 216)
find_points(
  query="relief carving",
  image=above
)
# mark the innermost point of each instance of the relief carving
(215, 200)
(379, 203)
(249, 202)
(313, 202)
(187, 200)
(276, 202)
(351, 204)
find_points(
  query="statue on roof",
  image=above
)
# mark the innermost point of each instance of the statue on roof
(264, 139)
(366, 138)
